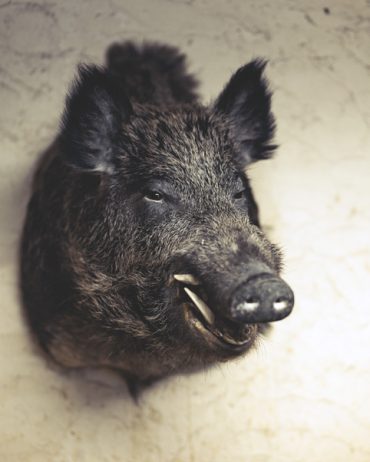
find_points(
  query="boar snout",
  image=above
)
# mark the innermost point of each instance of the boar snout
(262, 298)
(226, 305)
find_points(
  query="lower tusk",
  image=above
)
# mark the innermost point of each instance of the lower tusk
(201, 305)
(186, 279)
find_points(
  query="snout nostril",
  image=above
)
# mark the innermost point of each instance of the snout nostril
(251, 303)
(247, 306)
(280, 304)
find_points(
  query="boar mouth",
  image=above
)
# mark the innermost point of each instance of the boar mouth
(211, 324)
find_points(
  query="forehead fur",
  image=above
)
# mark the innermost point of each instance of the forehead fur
(168, 143)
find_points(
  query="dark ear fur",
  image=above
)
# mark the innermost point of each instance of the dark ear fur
(246, 103)
(96, 108)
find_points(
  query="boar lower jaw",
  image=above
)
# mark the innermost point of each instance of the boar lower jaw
(210, 327)
(215, 337)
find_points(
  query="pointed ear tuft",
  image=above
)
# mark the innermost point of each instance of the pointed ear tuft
(246, 104)
(96, 108)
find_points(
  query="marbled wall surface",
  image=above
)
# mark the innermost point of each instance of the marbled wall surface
(304, 395)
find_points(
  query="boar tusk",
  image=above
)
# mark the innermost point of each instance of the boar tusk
(187, 279)
(201, 305)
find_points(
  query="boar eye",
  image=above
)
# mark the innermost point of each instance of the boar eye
(152, 195)
(240, 194)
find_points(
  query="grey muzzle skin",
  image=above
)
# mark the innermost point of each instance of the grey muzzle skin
(262, 298)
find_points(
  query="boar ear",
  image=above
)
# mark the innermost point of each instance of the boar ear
(246, 103)
(96, 108)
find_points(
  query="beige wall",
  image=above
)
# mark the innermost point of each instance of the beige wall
(304, 394)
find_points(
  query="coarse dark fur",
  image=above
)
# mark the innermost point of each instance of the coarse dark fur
(99, 248)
